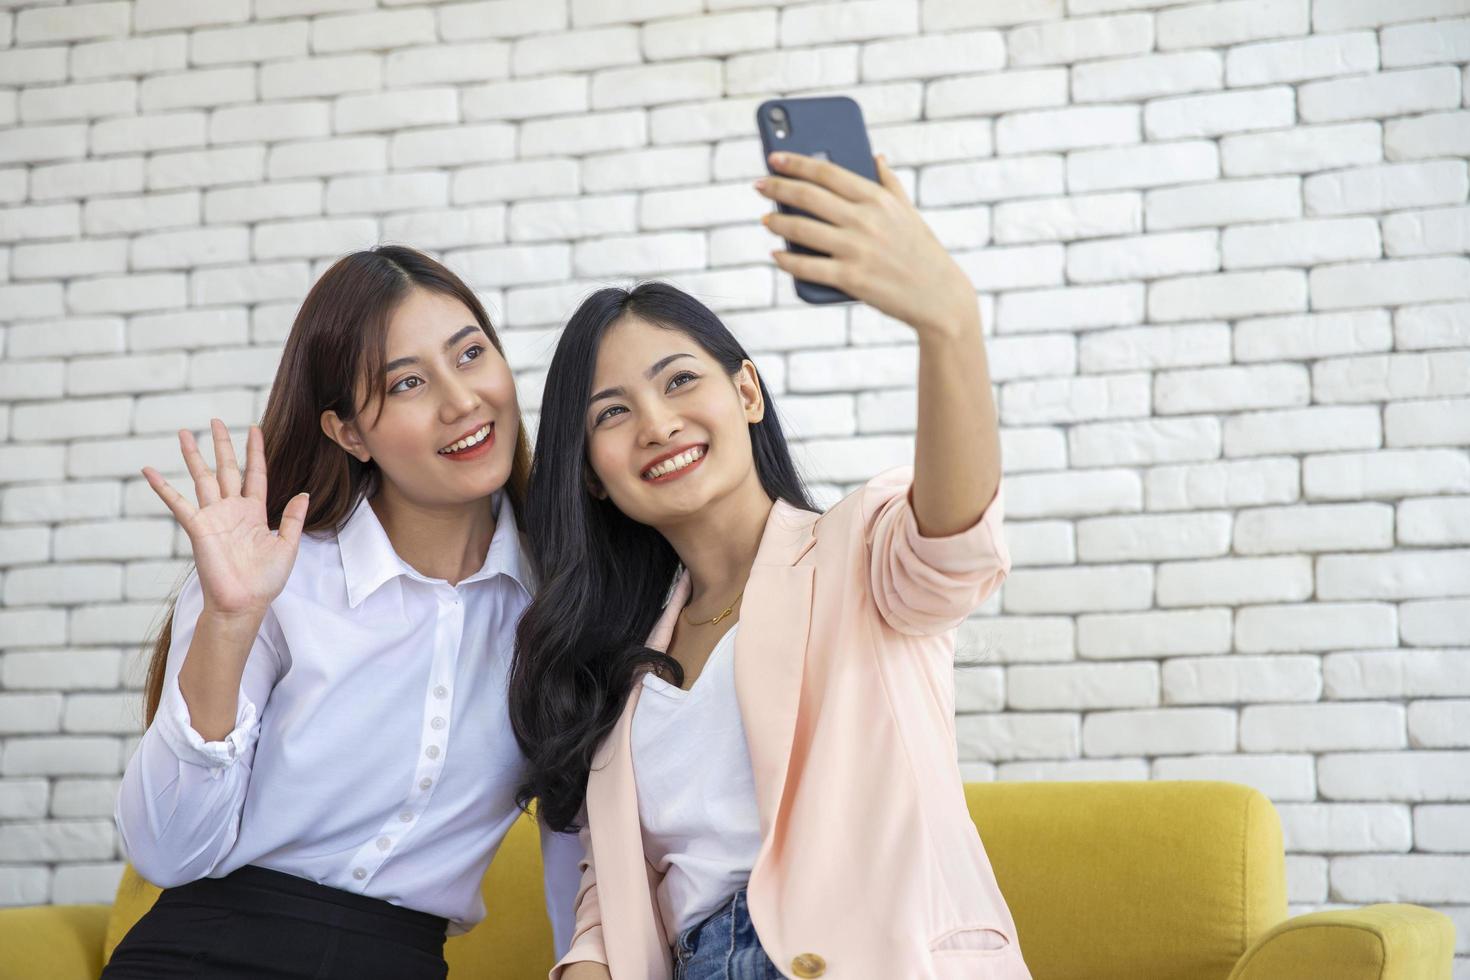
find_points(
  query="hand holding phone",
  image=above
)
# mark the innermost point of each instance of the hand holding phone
(852, 237)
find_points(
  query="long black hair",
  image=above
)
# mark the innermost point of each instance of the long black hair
(604, 577)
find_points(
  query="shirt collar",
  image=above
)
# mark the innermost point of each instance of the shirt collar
(369, 561)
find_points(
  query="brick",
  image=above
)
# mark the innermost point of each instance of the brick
(197, 89)
(1432, 325)
(1147, 76)
(501, 18)
(1385, 474)
(1387, 93)
(1301, 243)
(28, 66)
(313, 239)
(187, 330)
(1231, 388)
(1066, 129)
(129, 215)
(1434, 521)
(1114, 636)
(65, 260)
(137, 134)
(1226, 484)
(29, 714)
(1302, 60)
(67, 840)
(88, 100)
(1440, 828)
(122, 175)
(86, 883)
(1082, 686)
(1322, 727)
(1231, 22)
(579, 135)
(1080, 39)
(1396, 674)
(1345, 828)
(1144, 443)
(1000, 737)
(1234, 581)
(1286, 628)
(246, 284)
(856, 20)
(1016, 639)
(127, 294)
(1312, 335)
(583, 50)
(1236, 680)
(382, 193)
(1143, 257)
(1405, 574)
(63, 755)
(1301, 149)
(1443, 231)
(1157, 165)
(388, 111)
(1228, 295)
(1435, 622)
(321, 76)
(372, 31)
(1225, 202)
(452, 146)
(330, 157)
(38, 144)
(1302, 430)
(521, 99)
(1340, 15)
(1141, 348)
(990, 180)
(1401, 878)
(427, 229)
(1390, 283)
(1070, 590)
(790, 71)
(1075, 399)
(1439, 724)
(1426, 44)
(710, 35)
(1074, 494)
(269, 123)
(1164, 731)
(203, 168)
(1388, 377)
(77, 22)
(1153, 537)
(191, 247)
(583, 217)
(257, 42)
(162, 15)
(293, 199)
(1280, 777)
(1219, 113)
(1068, 218)
(996, 92)
(932, 56)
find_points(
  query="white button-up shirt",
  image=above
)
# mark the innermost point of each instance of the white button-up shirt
(372, 749)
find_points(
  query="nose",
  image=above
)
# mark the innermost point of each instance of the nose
(459, 400)
(659, 426)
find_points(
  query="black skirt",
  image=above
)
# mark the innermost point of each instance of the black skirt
(258, 924)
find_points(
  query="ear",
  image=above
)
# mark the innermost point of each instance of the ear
(748, 385)
(594, 486)
(345, 434)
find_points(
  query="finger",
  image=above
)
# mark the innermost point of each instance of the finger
(836, 179)
(206, 489)
(225, 463)
(176, 502)
(890, 180)
(809, 232)
(808, 197)
(812, 268)
(293, 519)
(255, 464)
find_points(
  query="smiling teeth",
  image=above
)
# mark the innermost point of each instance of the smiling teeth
(674, 463)
(467, 442)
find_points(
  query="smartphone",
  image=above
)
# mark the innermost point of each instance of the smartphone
(829, 127)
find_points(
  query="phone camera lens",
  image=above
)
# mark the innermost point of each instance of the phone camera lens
(777, 115)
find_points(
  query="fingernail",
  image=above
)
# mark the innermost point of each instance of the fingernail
(765, 219)
(760, 185)
(778, 158)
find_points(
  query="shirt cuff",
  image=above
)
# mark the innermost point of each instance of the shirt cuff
(175, 726)
(980, 546)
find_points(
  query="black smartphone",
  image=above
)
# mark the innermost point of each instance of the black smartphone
(829, 127)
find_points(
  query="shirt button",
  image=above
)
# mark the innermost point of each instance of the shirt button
(406, 816)
(441, 692)
(384, 843)
(808, 965)
(359, 873)
(432, 752)
(437, 724)
(425, 783)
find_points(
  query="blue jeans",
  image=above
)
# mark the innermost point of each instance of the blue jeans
(723, 947)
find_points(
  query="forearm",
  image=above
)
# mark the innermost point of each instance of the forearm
(210, 676)
(957, 446)
(586, 970)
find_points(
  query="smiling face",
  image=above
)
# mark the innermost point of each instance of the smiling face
(668, 429)
(446, 433)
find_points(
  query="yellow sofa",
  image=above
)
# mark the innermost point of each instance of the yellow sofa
(1107, 881)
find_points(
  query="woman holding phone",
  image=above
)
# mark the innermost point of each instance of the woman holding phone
(329, 765)
(744, 705)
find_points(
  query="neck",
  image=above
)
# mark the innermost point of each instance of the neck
(718, 545)
(438, 541)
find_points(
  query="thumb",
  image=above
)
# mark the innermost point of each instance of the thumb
(889, 179)
(293, 519)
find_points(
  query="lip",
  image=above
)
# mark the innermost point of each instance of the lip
(670, 455)
(474, 452)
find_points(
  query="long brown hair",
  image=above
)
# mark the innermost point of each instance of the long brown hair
(338, 339)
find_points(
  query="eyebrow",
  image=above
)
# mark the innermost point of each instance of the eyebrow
(658, 366)
(459, 335)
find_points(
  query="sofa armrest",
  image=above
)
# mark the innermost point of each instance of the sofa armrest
(63, 942)
(1381, 942)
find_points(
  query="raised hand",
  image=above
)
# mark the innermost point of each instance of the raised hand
(243, 565)
(881, 251)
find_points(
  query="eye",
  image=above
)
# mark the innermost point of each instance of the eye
(681, 379)
(404, 384)
(607, 413)
(471, 353)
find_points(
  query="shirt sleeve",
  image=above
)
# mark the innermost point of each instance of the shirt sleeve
(178, 808)
(586, 945)
(561, 858)
(925, 586)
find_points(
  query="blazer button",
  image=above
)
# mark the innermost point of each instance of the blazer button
(808, 965)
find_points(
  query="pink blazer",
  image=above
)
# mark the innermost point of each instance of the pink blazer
(870, 866)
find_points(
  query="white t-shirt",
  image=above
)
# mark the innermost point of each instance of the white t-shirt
(696, 791)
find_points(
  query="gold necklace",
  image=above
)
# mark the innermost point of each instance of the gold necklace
(710, 622)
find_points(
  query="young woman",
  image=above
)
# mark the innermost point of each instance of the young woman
(329, 764)
(763, 769)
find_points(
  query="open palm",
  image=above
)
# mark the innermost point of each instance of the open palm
(242, 563)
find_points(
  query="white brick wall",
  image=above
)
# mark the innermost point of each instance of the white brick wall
(1221, 248)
